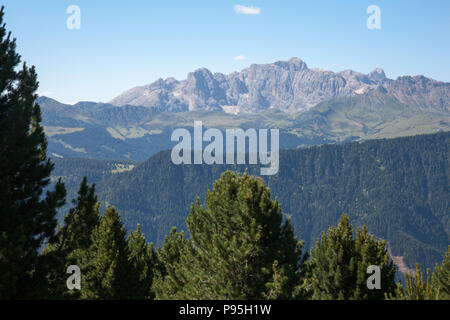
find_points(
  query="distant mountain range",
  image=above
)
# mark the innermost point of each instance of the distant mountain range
(309, 107)
(289, 86)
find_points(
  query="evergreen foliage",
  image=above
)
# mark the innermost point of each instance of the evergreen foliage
(27, 218)
(169, 278)
(73, 239)
(81, 241)
(416, 287)
(339, 264)
(241, 248)
(441, 277)
(105, 266)
(142, 259)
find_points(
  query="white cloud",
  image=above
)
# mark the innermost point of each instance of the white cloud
(246, 10)
(45, 93)
(240, 57)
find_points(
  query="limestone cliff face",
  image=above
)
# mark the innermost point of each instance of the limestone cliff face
(289, 86)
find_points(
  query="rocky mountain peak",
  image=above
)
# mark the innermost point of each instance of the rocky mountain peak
(377, 75)
(200, 73)
(289, 86)
(293, 64)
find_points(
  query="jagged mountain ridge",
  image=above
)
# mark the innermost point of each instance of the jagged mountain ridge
(289, 86)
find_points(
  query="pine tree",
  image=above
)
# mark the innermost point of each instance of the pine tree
(372, 252)
(339, 264)
(416, 287)
(105, 268)
(333, 263)
(170, 277)
(72, 240)
(80, 221)
(241, 248)
(441, 277)
(276, 288)
(142, 259)
(27, 218)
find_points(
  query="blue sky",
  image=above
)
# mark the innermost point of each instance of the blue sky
(122, 44)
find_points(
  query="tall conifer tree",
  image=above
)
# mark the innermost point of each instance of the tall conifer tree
(172, 258)
(72, 240)
(105, 268)
(142, 259)
(339, 264)
(81, 220)
(241, 248)
(416, 287)
(27, 217)
(441, 277)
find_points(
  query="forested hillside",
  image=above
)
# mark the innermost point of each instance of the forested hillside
(137, 133)
(397, 187)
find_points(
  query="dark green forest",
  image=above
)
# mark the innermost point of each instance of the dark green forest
(398, 188)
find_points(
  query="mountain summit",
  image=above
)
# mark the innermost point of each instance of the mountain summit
(289, 86)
